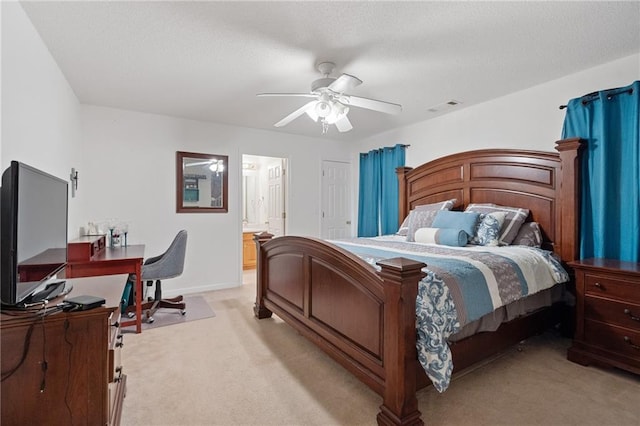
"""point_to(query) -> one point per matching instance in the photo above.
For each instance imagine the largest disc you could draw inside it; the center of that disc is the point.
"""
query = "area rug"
(197, 308)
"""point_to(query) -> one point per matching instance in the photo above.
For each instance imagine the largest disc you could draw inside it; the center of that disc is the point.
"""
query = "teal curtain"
(378, 193)
(609, 122)
(392, 158)
(368, 212)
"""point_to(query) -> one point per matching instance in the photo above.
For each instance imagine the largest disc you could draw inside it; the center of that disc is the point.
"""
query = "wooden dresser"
(83, 382)
(607, 314)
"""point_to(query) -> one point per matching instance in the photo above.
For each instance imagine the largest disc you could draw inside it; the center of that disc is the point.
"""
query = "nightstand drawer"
(613, 312)
(625, 289)
(616, 339)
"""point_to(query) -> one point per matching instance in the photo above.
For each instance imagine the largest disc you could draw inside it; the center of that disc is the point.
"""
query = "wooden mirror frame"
(181, 156)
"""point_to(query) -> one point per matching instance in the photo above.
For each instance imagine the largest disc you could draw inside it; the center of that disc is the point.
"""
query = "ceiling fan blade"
(295, 114)
(386, 107)
(303, 95)
(344, 82)
(343, 124)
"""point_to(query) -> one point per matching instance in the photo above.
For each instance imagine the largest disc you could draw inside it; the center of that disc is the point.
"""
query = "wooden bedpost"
(569, 211)
(259, 309)
(400, 357)
(402, 193)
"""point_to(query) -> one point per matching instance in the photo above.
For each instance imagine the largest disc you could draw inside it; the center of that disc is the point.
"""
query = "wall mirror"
(201, 185)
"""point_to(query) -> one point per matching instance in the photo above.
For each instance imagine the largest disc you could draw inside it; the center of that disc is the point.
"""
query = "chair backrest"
(170, 264)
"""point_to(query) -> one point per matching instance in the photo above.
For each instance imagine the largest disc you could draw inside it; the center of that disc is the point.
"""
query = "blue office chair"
(170, 264)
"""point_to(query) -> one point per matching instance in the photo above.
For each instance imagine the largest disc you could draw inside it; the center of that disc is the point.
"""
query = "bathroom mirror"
(201, 183)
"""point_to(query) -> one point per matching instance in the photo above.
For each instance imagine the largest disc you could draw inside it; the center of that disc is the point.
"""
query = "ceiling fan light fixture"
(337, 112)
(323, 109)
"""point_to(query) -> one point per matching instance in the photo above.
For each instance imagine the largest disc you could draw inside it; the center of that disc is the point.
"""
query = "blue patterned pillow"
(512, 223)
(488, 230)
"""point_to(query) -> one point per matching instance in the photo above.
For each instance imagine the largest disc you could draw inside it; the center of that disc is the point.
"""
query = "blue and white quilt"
(462, 284)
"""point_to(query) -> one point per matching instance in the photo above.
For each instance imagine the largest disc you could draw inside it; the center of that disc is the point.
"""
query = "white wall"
(40, 112)
(528, 119)
(130, 174)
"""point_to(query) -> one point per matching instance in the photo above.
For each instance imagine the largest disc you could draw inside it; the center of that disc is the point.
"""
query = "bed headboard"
(547, 183)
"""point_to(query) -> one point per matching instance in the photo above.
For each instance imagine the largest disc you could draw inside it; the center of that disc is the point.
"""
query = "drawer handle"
(633, 317)
(630, 343)
(600, 286)
(120, 341)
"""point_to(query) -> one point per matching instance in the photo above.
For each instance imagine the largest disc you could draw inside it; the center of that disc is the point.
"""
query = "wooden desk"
(84, 382)
(111, 261)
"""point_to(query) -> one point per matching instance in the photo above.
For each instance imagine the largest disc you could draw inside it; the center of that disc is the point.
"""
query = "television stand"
(84, 382)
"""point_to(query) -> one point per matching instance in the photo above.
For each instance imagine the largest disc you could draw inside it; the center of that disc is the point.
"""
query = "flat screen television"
(33, 231)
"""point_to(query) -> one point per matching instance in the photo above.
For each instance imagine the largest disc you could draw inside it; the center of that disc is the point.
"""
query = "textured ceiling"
(208, 60)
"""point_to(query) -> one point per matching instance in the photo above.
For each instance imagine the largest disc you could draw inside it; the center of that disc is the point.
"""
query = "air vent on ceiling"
(444, 106)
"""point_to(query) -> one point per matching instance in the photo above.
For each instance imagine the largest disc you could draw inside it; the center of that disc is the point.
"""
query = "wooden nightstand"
(607, 314)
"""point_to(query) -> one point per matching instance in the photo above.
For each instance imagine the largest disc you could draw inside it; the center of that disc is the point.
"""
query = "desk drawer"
(85, 249)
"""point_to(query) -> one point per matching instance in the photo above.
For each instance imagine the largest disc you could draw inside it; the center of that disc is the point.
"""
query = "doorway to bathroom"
(264, 201)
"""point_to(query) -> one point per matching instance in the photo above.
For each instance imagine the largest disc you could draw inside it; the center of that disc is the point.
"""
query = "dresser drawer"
(618, 313)
(116, 341)
(615, 339)
(625, 289)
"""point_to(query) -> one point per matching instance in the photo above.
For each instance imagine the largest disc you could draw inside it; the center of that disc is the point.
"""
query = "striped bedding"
(462, 284)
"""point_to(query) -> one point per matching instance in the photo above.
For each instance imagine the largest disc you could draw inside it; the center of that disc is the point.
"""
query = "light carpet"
(236, 370)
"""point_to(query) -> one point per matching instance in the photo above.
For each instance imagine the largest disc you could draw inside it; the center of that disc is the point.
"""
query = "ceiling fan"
(330, 103)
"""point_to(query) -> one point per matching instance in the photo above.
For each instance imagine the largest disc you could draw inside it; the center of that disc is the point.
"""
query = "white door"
(275, 202)
(336, 200)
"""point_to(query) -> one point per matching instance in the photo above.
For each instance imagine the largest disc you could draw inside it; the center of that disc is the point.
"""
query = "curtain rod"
(594, 95)
(386, 147)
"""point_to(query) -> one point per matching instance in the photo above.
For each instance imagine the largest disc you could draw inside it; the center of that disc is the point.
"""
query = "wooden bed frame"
(365, 319)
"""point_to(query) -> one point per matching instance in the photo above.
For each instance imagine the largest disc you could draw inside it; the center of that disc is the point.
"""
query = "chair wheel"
(131, 314)
(183, 312)
(150, 320)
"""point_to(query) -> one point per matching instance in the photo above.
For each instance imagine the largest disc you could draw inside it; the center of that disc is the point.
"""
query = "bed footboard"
(362, 318)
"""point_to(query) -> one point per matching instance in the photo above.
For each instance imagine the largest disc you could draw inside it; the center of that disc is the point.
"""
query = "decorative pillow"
(488, 229)
(513, 221)
(443, 205)
(529, 235)
(434, 207)
(443, 236)
(404, 228)
(467, 221)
